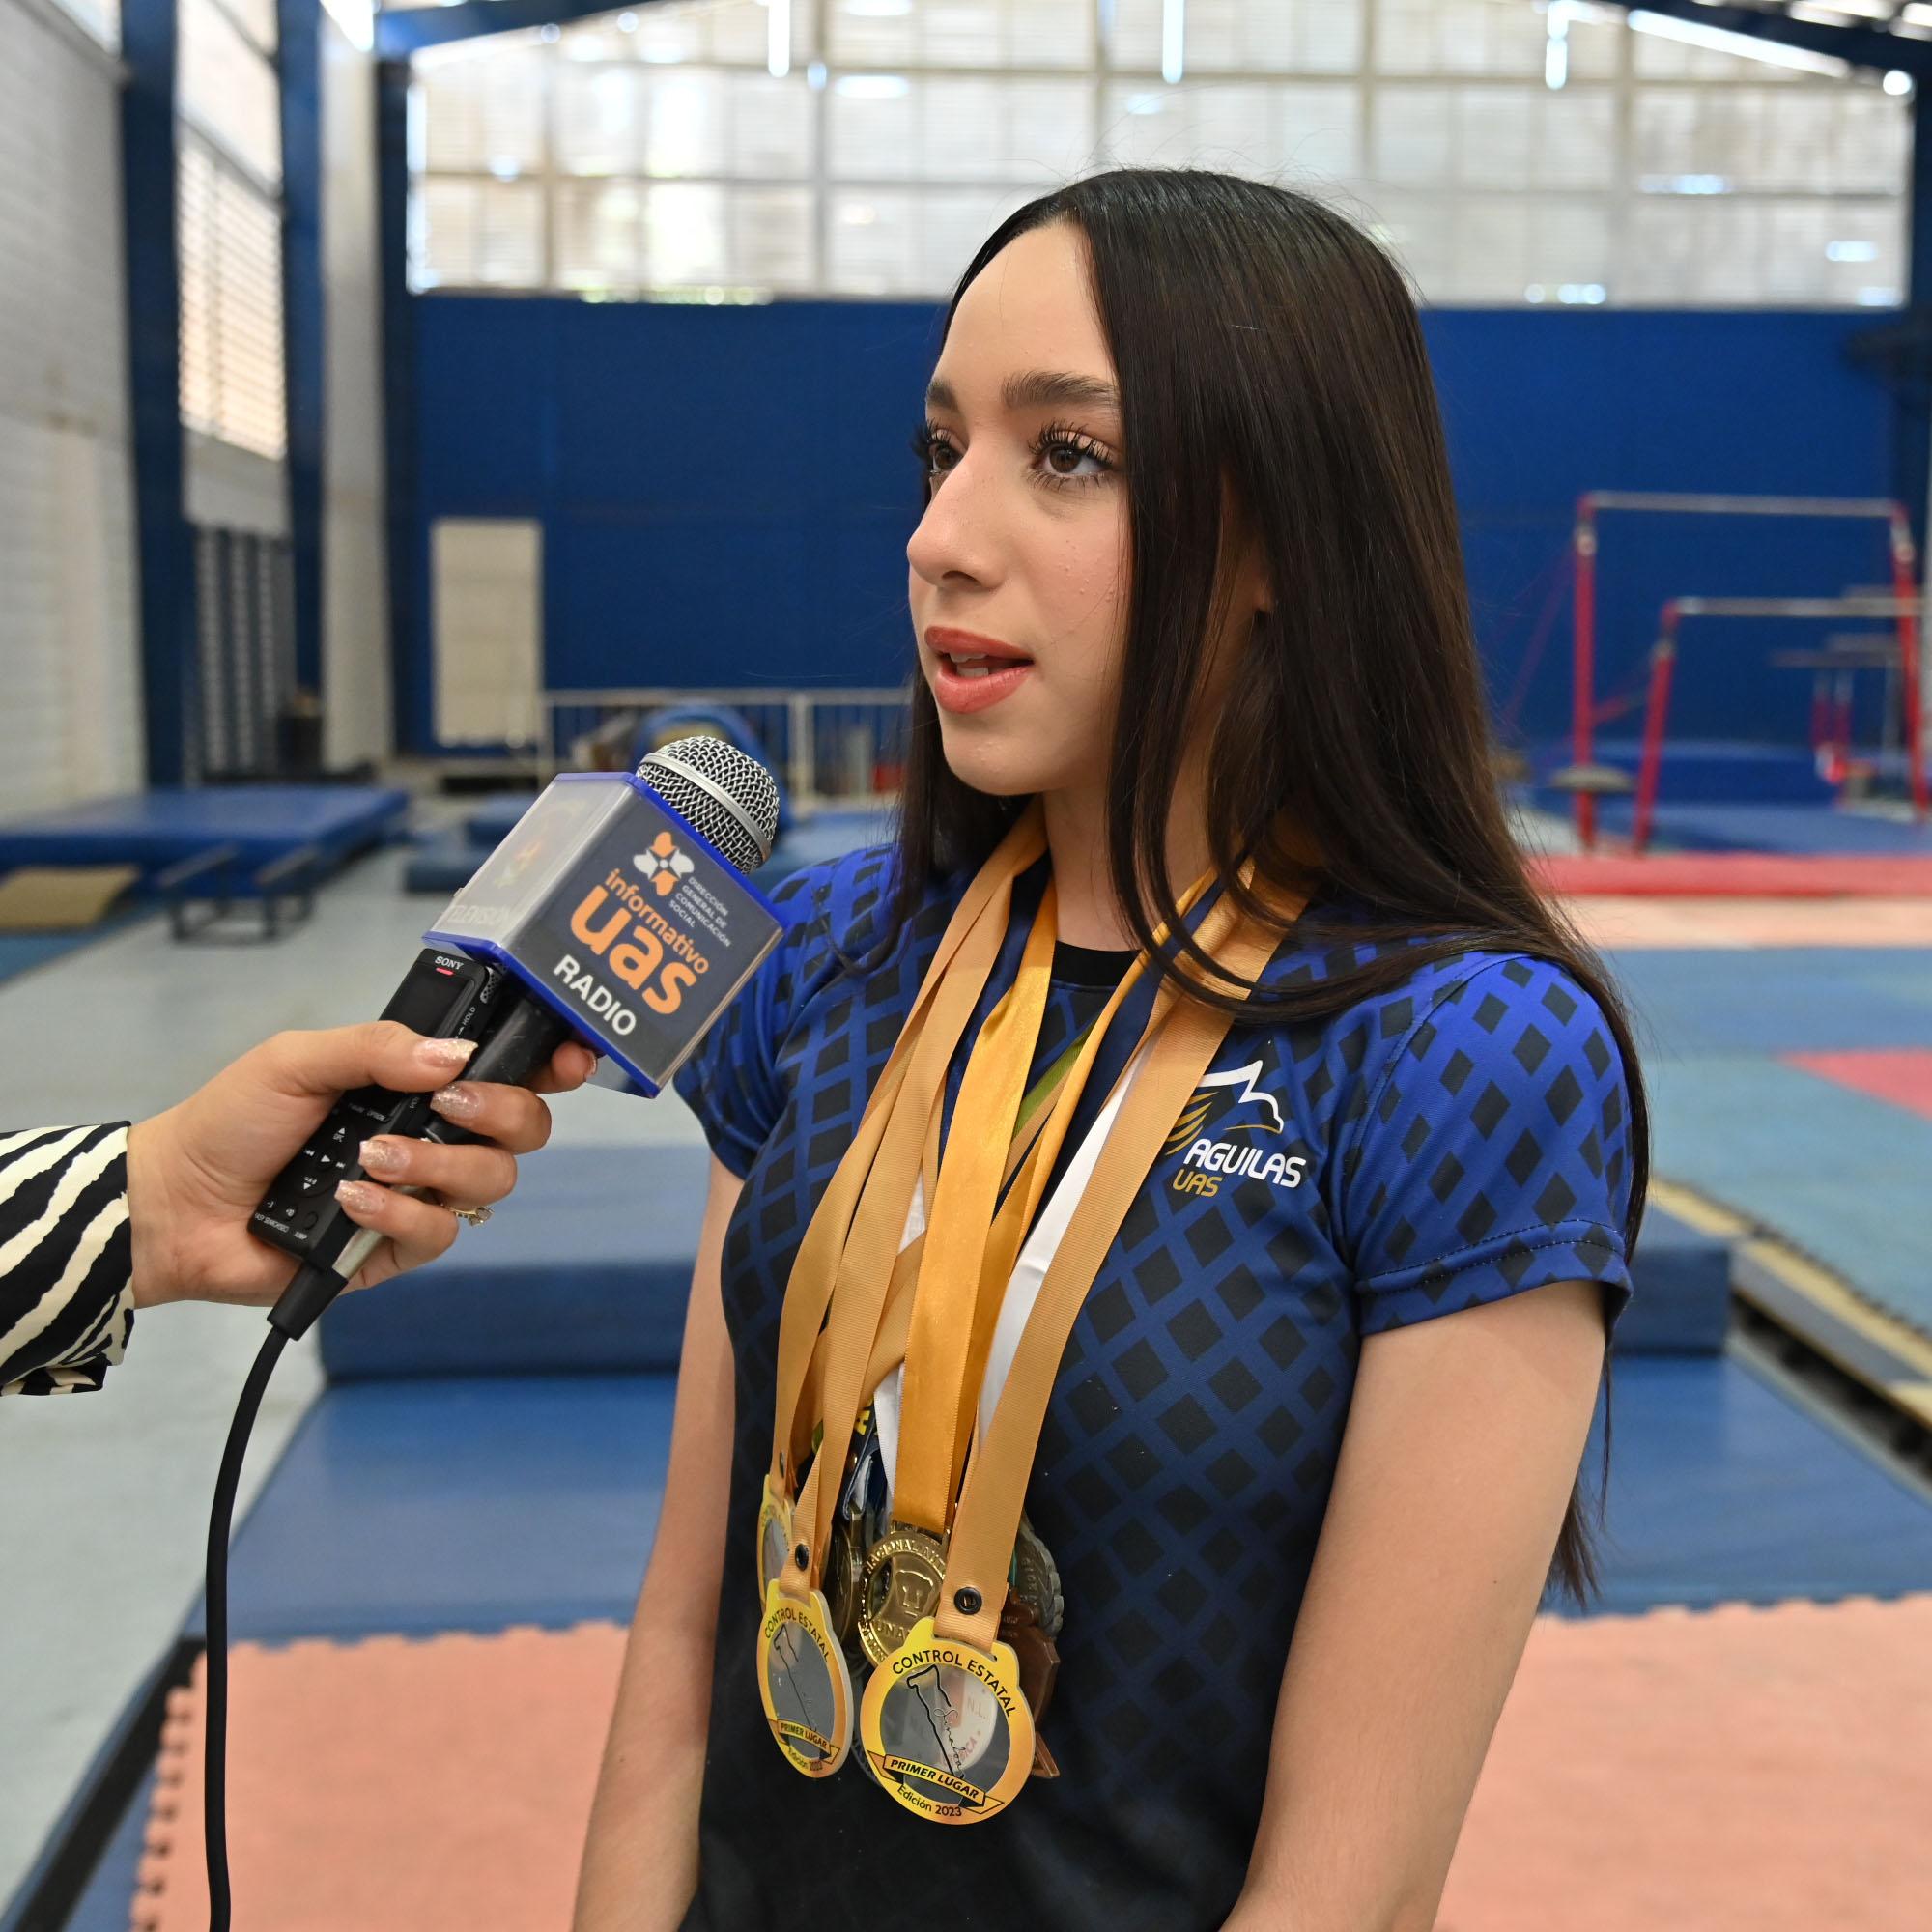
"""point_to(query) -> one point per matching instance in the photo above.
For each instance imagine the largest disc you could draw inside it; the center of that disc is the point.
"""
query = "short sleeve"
(1494, 1155)
(732, 1082)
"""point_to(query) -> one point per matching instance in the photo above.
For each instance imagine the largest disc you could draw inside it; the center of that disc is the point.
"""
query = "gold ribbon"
(935, 1302)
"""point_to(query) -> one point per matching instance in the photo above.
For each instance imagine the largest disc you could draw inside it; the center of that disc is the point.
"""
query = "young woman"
(1190, 613)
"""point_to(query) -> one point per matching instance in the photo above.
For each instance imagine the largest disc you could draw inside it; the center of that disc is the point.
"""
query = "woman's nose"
(958, 536)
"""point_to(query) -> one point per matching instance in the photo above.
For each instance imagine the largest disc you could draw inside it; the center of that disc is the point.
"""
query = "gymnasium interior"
(401, 404)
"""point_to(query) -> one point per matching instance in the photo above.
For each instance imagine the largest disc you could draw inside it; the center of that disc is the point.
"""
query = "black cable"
(214, 1751)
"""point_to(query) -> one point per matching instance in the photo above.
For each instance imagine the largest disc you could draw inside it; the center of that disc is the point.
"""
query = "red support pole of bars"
(1583, 677)
(1650, 771)
(1904, 563)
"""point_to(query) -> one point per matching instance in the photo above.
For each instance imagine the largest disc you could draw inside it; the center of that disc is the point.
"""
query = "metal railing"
(842, 747)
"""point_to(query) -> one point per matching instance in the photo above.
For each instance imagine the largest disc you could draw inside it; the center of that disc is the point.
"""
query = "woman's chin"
(1000, 770)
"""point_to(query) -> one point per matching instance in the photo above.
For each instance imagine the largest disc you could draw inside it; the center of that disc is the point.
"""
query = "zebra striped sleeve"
(67, 1302)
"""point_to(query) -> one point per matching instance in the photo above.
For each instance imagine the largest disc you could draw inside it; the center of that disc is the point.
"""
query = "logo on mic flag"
(664, 865)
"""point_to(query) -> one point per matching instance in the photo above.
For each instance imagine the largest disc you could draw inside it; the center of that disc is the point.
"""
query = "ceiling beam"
(1864, 45)
(405, 30)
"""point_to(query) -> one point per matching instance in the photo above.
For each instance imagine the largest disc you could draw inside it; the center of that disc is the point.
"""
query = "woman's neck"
(1076, 837)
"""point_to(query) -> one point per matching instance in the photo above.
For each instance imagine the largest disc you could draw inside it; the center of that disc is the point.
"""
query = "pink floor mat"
(1727, 1771)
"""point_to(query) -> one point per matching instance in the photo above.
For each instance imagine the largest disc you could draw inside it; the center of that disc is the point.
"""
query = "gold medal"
(774, 1537)
(804, 1682)
(1037, 1577)
(903, 1574)
(946, 1728)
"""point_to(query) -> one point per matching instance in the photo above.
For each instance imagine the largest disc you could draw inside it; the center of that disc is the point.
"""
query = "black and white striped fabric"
(67, 1302)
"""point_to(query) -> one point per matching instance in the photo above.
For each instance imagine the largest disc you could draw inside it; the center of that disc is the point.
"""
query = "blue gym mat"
(456, 1505)
(154, 829)
(1842, 1175)
(1806, 1000)
(586, 1269)
(1721, 1491)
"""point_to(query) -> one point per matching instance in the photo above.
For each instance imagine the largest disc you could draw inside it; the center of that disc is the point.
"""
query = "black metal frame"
(283, 889)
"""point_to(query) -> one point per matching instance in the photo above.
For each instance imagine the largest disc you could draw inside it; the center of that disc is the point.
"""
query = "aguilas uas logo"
(1231, 1103)
(664, 865)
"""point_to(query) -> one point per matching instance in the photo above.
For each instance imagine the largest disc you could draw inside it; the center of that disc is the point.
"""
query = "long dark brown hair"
(1263, 343)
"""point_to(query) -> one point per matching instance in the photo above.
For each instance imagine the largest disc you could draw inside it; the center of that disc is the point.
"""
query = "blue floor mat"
(476, 1505)
(456, 1505)
(1839, 1174)
(1721, 1491)
(1808, 1000)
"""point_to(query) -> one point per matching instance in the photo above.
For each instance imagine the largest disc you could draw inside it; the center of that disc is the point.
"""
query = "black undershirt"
(1101, 967)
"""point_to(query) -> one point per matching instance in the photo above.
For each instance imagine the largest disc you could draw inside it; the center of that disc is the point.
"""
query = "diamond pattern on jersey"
(1464, 1139)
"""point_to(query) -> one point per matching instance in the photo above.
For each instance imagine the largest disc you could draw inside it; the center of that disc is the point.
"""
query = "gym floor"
(1789, 1050)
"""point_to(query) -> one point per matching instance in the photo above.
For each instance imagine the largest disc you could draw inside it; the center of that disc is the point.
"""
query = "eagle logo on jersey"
(1222, 1106)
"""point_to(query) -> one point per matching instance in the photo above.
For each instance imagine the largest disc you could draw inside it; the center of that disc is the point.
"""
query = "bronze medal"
(1037, 1578)
(1036, 1653)
(903, 1574)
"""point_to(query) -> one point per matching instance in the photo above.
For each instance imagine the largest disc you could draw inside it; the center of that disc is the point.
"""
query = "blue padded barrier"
(1681, 1298)
(585, 1270)
(157, 828)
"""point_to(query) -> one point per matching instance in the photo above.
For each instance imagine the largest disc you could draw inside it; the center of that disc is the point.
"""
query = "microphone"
(617, 910)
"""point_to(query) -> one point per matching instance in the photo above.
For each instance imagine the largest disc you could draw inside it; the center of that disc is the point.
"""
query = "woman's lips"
(960, 692)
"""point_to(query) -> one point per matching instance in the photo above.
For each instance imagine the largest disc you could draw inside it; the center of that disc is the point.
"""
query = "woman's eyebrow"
(1037, 388)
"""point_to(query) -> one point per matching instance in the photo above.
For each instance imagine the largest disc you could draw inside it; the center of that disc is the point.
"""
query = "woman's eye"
(1062, 458)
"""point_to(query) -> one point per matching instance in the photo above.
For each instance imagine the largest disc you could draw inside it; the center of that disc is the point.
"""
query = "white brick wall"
(69, 678)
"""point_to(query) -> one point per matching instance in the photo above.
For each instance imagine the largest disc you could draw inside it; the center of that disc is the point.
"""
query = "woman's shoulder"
(836, 913)
(1491, 1010)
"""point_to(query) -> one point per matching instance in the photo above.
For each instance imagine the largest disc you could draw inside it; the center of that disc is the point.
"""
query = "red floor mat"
(1903, 1076)
(1730, 1770)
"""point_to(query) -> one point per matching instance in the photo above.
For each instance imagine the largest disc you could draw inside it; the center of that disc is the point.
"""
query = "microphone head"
(724, 793)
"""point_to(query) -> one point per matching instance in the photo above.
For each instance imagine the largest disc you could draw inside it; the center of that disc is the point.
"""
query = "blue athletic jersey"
(1461, 1139)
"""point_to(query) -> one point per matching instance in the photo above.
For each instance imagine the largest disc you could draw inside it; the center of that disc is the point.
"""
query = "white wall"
(354, 589)
(70, 677)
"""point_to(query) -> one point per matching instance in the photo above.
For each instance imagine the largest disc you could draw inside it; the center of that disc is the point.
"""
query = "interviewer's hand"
(195, 1173)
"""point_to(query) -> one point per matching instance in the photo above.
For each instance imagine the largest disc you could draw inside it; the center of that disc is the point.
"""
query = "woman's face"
(1020, 561)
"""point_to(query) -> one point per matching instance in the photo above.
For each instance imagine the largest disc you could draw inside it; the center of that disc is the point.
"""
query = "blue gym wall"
(726, 493)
